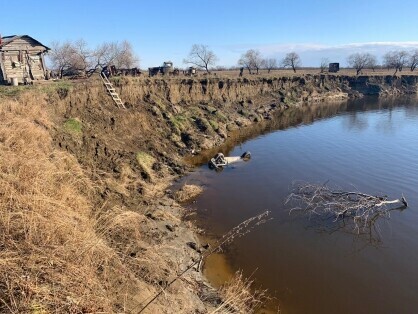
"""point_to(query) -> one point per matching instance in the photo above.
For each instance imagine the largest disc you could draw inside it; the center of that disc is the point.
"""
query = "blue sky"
(165, 30)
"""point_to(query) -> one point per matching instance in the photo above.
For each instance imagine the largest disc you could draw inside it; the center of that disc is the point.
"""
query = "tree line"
(397, 60)
(78, 56)
(204, 58)
(253, 61)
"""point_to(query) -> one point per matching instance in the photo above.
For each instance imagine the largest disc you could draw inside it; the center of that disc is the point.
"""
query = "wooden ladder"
(112, 91)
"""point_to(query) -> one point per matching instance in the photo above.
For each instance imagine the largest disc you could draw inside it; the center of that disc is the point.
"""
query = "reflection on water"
(367, 234)
(369, 145)
(283, 119)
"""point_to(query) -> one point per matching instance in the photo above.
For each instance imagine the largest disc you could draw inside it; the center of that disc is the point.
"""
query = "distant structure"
(166, 69)
(22, 59)
(334, 67)
(191, 71)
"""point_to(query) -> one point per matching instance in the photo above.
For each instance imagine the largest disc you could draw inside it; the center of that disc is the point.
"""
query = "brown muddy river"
(370, 145)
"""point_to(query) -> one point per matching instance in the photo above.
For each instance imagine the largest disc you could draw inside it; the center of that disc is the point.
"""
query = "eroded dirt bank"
(106, 234)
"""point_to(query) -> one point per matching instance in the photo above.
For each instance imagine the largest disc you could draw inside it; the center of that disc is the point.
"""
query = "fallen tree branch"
(363, 210)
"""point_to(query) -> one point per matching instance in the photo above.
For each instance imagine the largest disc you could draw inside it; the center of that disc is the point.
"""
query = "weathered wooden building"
(22, 59)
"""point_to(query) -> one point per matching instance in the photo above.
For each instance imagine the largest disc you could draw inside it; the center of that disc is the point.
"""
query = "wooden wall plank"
(10, 53)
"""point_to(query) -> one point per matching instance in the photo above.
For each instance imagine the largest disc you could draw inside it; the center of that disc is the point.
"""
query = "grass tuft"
(13, 91)
(73, 125)
(188, 192)
(145, 162)
(238, 296)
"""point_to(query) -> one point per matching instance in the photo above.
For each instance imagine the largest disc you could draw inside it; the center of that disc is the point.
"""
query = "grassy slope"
(65, 249)
(50, 251)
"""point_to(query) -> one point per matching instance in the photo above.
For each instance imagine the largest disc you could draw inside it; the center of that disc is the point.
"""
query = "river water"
(370, 145)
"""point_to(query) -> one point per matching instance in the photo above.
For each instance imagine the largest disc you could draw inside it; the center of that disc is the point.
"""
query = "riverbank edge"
(133, 155)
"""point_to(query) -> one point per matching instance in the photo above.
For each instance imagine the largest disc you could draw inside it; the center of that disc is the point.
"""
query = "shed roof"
(8, 39)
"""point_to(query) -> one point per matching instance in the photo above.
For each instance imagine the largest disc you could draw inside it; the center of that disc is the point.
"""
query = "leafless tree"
(413, 62)
(79, 57)
(270, 64)
(359, 61)
(202, 57)
(291, 60)
(372, 63)
(396, 60)
(324, 64)
(251, 60)
(125, 57)
(61, 56)
(357, 209)
(245, 62)
(120, 55)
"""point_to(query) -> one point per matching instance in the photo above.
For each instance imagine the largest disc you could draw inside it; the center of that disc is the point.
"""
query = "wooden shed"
(22, 59)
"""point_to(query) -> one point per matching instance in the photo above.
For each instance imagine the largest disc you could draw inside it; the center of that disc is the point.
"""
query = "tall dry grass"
(238, 296)
(49, 253)
(59, 251)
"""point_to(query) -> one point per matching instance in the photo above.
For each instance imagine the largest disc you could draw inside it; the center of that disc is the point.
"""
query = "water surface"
(368, 144)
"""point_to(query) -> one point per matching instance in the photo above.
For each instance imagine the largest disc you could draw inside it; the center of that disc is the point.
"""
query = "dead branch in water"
(363, 210)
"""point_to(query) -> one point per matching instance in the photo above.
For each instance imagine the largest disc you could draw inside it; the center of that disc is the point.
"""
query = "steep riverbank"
(126, 228)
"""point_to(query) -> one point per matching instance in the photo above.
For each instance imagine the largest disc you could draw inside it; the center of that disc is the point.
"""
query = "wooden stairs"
(111, 90)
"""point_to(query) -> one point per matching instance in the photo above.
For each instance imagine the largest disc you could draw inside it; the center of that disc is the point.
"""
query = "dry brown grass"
(238, 296)
(51, 258)
(61, 249)
(188, 192)
(43, 219)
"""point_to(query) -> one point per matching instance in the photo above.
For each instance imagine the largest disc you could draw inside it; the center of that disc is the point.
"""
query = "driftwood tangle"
(363, 210)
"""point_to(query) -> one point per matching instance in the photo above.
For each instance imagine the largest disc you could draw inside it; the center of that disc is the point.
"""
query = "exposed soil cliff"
(384, 85)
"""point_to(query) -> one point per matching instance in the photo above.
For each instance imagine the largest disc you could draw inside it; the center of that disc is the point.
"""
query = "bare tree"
(118, 54)
(125, 57)
(245, 62)
(202, 57)
(77, 56)
(324, 64)
(61, 56)
(413, 62)
(372, 63)
(291, 60)
(359, 61)
(104, 54)
(270, 64)
(251, 60)
(81, 55)
(396, 60)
